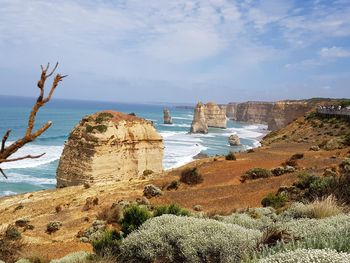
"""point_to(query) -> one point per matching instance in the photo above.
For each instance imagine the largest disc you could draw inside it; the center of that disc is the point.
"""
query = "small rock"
(151, 190)
(53, 226)
(174, 185)
(314, 148)
(20, 206)
(198, 208)
(329, 172)
(234, 140)
(87, 185)
(143, 201)
(121, 203)
(289, 169)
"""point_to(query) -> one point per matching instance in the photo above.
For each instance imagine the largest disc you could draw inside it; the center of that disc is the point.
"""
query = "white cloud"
(334, 52)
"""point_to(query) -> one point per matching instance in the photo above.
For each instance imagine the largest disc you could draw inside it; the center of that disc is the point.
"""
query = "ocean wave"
(7, 193)
(182, 118)
(247, 132)
(45, 139)
(52, 153)
(23, 178)
(182, 125)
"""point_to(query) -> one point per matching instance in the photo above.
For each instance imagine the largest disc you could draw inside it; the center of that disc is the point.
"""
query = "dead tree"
(30, 135)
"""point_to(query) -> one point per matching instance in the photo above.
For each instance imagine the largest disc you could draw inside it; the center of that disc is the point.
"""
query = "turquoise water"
(180, 147)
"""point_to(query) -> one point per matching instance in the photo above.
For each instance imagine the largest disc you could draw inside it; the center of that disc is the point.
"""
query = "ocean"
(180, 146)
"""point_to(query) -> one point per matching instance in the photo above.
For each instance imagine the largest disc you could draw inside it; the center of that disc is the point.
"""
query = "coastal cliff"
(215, 115)
(275, 114)
(109, 146)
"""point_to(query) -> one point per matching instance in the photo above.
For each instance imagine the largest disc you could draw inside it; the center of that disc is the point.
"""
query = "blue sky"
(178, 50)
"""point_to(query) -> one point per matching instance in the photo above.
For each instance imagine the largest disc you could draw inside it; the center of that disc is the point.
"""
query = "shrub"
(274, 200)
(230, 156)
(347, 139)
(103, 116)
(147, 172)
(172, 209)
(256, 173)
(191, 176)
(187, 239)
(174, 185)
(308, 256)
(111, 214)
(75, 257)
(108, 244)
(11, 245)
(134, 216)
(246, 221)
(297, 156)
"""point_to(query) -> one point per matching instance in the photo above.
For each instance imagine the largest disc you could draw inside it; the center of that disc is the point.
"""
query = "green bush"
(230, 156)
(347, 139)
(256, 173)
(275, 201)
(103, 116)
(305, 180)
(134, 216)
(191, 176)
(108, 244)
(172, 209)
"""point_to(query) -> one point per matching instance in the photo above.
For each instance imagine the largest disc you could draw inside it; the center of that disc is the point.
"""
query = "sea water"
(180, 146)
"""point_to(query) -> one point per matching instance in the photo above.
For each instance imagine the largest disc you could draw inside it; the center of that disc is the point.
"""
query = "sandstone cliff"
(166, 116)
(199, 123)
(275, 114)
(109, 146)
(215, 115)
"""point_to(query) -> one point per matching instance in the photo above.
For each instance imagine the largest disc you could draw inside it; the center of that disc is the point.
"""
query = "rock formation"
(199, 123)
(109, 146)
(275, 114)
(166, 116)
(215, 115)
(234, 140)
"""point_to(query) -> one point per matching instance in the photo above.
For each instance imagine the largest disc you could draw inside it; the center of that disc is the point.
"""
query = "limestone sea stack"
(109, 146)
(167, 117)
(234, 140)
(215, 115)
(199, 123)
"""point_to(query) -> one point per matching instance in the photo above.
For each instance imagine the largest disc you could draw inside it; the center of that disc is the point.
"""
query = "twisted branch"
(29, 136)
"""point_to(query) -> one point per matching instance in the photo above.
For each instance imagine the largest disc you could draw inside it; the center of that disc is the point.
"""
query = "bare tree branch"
(29, 136)
(4, 139)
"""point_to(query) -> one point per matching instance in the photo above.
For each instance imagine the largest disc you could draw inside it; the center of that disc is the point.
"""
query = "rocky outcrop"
(215, 115)
(166, 116)
(109, 146)
(234, 140)
(199, 123)
(275, 114)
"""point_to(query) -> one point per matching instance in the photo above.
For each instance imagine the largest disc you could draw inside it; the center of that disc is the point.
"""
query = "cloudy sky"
(178, 50)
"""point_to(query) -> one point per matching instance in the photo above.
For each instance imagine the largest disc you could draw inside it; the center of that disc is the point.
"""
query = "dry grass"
(111, 214)
(324, 207)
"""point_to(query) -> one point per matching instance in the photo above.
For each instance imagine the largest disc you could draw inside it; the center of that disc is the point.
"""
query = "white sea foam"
(23, 178)
(183, 125)
(5, 193)
(182, 118)
(52, 153)
(180, 148)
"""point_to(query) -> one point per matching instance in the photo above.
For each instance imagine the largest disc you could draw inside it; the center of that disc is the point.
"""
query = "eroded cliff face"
(199, 123)
(275, 114)
(215, 115)
(109, 146)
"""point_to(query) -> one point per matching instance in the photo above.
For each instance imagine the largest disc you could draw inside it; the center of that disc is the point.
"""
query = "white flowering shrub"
(253, 218)
(186, 239)
(295, 211)
(308, 256)
(76, 257)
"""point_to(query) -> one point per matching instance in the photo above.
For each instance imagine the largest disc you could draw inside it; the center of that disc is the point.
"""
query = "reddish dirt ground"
(220, 192)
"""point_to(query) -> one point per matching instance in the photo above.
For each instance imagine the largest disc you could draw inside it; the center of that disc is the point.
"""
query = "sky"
(178, 50)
